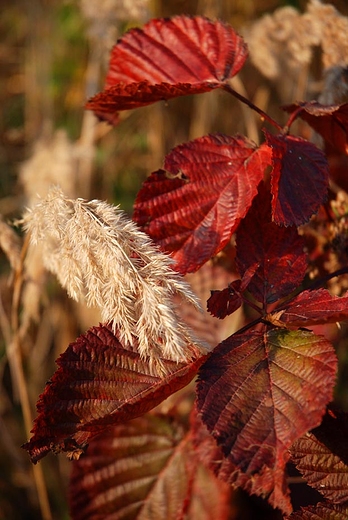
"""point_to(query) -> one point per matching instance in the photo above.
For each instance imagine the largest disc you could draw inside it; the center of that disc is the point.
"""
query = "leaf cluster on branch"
(262, 394)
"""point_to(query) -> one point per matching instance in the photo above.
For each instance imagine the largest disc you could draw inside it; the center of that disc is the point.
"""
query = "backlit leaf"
(146, 468)
(321, 511)
(330, 121)
(169, 58)
(100, 383)
(322, 457)
(299, 179)
(259, 392)
(274, 254)
(192, 207)
(314, 307)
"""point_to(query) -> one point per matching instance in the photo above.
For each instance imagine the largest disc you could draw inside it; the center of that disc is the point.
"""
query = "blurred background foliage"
(53, 57)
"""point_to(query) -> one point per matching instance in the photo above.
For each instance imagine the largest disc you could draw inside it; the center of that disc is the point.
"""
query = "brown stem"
(251, 105)
(15, 358)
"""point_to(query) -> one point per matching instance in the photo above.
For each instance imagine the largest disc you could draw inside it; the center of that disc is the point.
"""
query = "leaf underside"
(168, 58)
(257, 394)
(321, 511)
(146, 468)
(192, 207)
(100, 383)
(322, 457)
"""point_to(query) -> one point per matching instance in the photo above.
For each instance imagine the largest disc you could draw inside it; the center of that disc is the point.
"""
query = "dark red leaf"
(169, 58)
(258, 393)
(146, 468)
(314, 307)
(225, 302)
(322, 457)
(330, 121)
(322, 511)
(100, 383)
(274, 254)
(300, 179)
(192, 207)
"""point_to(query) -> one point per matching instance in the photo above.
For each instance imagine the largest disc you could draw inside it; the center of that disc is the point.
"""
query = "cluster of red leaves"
(262, 389)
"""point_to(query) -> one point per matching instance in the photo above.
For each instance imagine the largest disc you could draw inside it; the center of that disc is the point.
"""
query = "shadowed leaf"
(192, 207)
(145, 469)
(225, 302)
(322, 457)
(330, 121)
(315, 307)
(169, 58)
(273, 255)
(321, 511)
(100, 383)
(257, 394)
(299, 179)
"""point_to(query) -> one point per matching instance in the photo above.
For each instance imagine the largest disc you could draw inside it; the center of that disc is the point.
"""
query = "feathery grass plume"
(100, 255)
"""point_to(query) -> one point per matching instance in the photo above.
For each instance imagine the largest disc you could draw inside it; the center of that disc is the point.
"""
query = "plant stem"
(15, 359)
(251, 105)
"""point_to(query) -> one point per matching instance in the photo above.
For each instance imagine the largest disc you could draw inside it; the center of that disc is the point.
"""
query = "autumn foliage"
(263, 394)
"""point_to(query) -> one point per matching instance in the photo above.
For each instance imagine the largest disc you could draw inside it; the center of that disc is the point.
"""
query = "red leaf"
(146, 468)
(169, 58)
(299, 179)
(322, 457)
(321, 512)
(314, 307)
(257, 394)
(330, 121)
(273, 254)
(100, 383)
(225, 302)
(193, 206)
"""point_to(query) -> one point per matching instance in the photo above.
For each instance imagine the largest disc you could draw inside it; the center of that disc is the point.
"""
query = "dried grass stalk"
(100, 255)
(10, 243)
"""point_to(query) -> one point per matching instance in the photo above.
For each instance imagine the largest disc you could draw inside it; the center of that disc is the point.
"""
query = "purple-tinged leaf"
(259, 392)
(300, 179)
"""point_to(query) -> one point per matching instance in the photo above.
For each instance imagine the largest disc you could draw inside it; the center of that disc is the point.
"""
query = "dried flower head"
(100, 255)
(283, 42)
